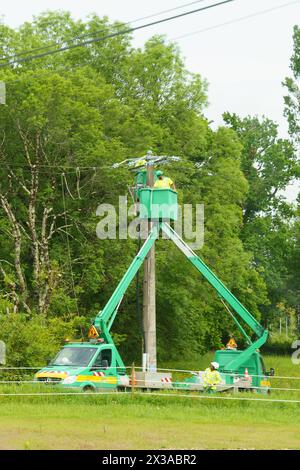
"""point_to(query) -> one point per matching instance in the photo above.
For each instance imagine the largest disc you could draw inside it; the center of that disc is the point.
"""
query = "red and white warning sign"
(166, 380)
(99, 374)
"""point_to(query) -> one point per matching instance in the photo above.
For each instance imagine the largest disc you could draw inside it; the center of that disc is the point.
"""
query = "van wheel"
(88, 388)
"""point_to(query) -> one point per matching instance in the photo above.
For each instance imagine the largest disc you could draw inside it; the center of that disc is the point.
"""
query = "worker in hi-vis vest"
(163, 182)
(211, 377)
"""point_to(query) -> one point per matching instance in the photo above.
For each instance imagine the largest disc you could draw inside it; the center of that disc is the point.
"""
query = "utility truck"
(97, 364)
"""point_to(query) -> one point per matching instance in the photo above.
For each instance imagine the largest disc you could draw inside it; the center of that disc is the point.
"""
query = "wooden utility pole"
(149, 307)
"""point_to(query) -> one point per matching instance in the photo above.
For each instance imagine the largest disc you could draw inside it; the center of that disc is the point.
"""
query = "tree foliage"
(68, 118)
(270, 164)
(292, 100)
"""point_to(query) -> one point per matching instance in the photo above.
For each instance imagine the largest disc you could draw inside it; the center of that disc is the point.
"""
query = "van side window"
(104, 355)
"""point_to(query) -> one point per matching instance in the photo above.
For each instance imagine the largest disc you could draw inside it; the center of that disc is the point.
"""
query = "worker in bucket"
(163, 182)
(211, 378)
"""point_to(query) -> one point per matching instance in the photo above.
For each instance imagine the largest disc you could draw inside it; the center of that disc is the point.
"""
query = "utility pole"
(2, 93)
(149, 306)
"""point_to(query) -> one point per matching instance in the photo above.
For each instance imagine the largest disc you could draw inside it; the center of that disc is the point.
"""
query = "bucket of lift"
(158, 204)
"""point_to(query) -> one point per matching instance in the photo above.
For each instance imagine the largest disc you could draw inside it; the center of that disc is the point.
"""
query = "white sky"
(244, 62)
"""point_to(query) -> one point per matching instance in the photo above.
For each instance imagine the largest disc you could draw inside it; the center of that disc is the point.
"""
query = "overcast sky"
(244, 62)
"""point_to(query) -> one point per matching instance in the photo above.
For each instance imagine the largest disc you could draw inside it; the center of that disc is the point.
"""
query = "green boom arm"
(225, 294)
(105, 318)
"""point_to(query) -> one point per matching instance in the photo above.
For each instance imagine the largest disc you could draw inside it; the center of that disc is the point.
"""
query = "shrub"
(279, 344)
(33, 341)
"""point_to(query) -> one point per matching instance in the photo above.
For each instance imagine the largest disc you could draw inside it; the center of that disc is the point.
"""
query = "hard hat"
(159, 173)
(215, 365)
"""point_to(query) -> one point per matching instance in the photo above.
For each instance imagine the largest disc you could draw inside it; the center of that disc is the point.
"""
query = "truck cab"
(85, 366)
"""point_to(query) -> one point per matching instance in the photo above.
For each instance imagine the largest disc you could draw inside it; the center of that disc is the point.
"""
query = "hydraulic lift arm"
(225, 295)
(105, 317)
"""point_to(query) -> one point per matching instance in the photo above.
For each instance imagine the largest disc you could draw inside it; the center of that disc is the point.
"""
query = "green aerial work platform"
(103, 366)
(158, 204)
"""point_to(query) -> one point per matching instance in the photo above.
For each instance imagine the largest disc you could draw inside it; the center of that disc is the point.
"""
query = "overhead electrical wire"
(111, 35)
(68, 242)
(62, 167)
(209, 28)
(93, 33)
(262, 12)
(236, 20)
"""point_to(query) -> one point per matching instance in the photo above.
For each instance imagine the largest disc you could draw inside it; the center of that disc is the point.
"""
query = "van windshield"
(74, 357)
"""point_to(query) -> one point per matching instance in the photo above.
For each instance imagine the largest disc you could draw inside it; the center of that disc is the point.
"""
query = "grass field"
(153, 422)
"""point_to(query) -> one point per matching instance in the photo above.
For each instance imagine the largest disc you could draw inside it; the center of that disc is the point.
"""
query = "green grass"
(151, 422)
(145, 422)
(282, 364)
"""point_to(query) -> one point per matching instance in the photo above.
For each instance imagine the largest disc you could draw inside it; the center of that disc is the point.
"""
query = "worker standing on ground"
(164, 182)
(211, 377)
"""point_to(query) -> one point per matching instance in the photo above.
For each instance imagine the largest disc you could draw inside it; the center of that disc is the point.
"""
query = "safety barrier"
(138, 384)
(187, 371)
(153, 394)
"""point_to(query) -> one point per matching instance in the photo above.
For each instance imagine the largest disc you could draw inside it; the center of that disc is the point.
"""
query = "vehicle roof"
(83, 345)
(233, 351)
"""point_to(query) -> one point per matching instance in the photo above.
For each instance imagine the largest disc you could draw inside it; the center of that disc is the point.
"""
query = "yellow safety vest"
(211, 378)
(140, 163)
(165, 183)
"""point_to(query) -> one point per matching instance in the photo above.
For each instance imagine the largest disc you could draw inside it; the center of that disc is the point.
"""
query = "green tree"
(68, 118)
(270, 164)
(190, 313)
(294, 263)
(292, 100)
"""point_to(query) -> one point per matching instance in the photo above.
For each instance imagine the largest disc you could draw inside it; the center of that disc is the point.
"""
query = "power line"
(119, 33)
(22, 53)
(152, 394)
(165, 11)
(73, 171)
(68, 242)
(210, 28)
(62, 167)
(236, 20)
